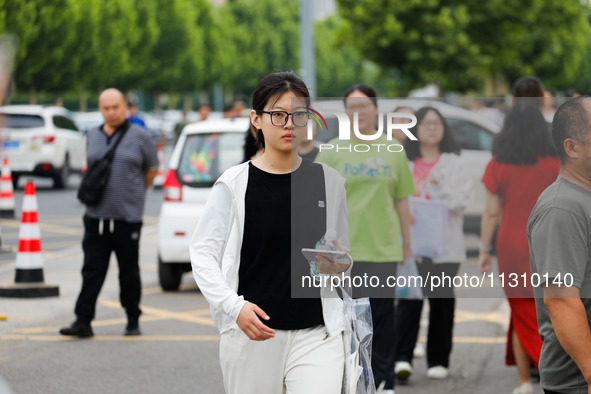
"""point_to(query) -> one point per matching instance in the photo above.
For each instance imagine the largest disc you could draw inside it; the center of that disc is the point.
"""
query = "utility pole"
(307, 47)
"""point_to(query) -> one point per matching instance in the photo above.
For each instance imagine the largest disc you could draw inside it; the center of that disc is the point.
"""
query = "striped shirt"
(125, 193)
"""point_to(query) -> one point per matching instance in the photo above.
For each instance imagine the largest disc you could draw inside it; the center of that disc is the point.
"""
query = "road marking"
(158, 289)
(481, 340)
(191, 316)
(474, 340)
(499, 317)
(61, 338)
(96, 323)
(52, 228)
(196, 338)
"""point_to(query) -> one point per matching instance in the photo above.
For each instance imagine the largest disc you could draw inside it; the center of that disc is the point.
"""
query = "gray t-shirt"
(559, 234)
(125, 193)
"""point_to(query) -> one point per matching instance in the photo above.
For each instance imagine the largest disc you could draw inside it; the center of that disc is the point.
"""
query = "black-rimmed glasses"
(279, 118)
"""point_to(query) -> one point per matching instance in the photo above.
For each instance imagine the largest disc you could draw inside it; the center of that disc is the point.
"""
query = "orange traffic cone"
(29, 280)
(6, 192)
(159, 180)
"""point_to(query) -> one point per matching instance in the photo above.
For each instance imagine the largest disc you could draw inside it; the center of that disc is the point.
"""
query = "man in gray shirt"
(559, 233)
(114, 224)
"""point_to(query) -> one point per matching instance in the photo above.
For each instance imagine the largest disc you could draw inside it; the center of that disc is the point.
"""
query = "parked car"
(42, 141)
(202, 153)
(88, 120)
(473, 132)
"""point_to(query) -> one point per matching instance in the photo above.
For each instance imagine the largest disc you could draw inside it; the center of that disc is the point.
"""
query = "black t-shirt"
(283, 214)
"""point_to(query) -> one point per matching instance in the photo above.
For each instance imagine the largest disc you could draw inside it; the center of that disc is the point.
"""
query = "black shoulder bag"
(96, 176)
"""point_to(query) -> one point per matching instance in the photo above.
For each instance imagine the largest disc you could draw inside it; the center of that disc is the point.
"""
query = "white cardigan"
(217, 241)
(456, 188)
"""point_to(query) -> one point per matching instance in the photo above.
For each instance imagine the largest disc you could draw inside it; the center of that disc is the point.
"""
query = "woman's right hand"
(249, 322)
(484, 262)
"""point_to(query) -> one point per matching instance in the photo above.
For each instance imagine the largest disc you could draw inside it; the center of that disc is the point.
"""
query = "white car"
(473, 132)
(87, 121)
(202, 153)
(41, 141)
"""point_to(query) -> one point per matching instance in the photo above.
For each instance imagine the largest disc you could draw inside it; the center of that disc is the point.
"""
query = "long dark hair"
(446, 145)
(272, 87)
(250, 148)
(365, 89)
(524, 136)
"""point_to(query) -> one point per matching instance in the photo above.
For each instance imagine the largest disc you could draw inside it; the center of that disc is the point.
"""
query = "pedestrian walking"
(439, 174)
(524, 163)
(307, 149)
(559, 234)
(134, 117)
(114, 224)
(397, 133)
(246, 255)
(378, 185)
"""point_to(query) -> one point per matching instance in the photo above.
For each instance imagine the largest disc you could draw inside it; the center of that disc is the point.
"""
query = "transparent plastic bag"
(412, 280)
(358, 376)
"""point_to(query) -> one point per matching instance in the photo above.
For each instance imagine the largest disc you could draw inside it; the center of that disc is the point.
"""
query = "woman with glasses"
(439, 174)
(247, 260)
(378, 185)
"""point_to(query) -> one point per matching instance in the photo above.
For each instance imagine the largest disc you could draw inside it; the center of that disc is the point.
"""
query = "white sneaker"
(524, 388)
(419, 351)
(381, 390)
(402, 370)
(438, 372)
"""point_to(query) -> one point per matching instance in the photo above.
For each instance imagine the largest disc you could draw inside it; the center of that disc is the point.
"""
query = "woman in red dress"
(524, 163)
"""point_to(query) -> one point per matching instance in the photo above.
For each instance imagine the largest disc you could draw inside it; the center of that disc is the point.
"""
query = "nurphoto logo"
(345, 130)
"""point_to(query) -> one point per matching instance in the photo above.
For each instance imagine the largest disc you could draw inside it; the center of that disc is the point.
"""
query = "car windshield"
(17, 121)
(206, 156)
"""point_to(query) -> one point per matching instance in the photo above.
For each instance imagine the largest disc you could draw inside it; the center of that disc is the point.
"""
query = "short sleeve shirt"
(374, 180)
(559, 234)
(125, 193)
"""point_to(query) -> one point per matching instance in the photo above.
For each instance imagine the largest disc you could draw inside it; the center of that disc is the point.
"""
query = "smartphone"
(336, 256)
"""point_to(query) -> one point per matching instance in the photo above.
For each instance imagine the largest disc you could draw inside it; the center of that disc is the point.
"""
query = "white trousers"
(294, 362)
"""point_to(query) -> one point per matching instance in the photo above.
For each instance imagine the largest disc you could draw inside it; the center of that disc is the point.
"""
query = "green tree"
(459, 43)
(338, 64)
(178, 57)
(141, 50)
(47, 42)
(107, 33)
(260, 37)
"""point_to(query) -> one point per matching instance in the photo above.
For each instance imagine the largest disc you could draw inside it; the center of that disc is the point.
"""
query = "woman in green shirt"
(378, 183)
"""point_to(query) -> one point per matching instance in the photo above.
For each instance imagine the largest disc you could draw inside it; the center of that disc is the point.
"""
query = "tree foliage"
(47, 42)
(178, 58)
(458, 43)
(181, 46)
(338, 64)
(259, 37)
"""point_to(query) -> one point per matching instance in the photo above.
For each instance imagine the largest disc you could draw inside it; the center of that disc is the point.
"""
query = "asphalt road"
(178, 351)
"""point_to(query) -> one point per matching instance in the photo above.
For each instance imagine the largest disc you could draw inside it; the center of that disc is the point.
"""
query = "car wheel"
(60, 181)
(170, 275)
